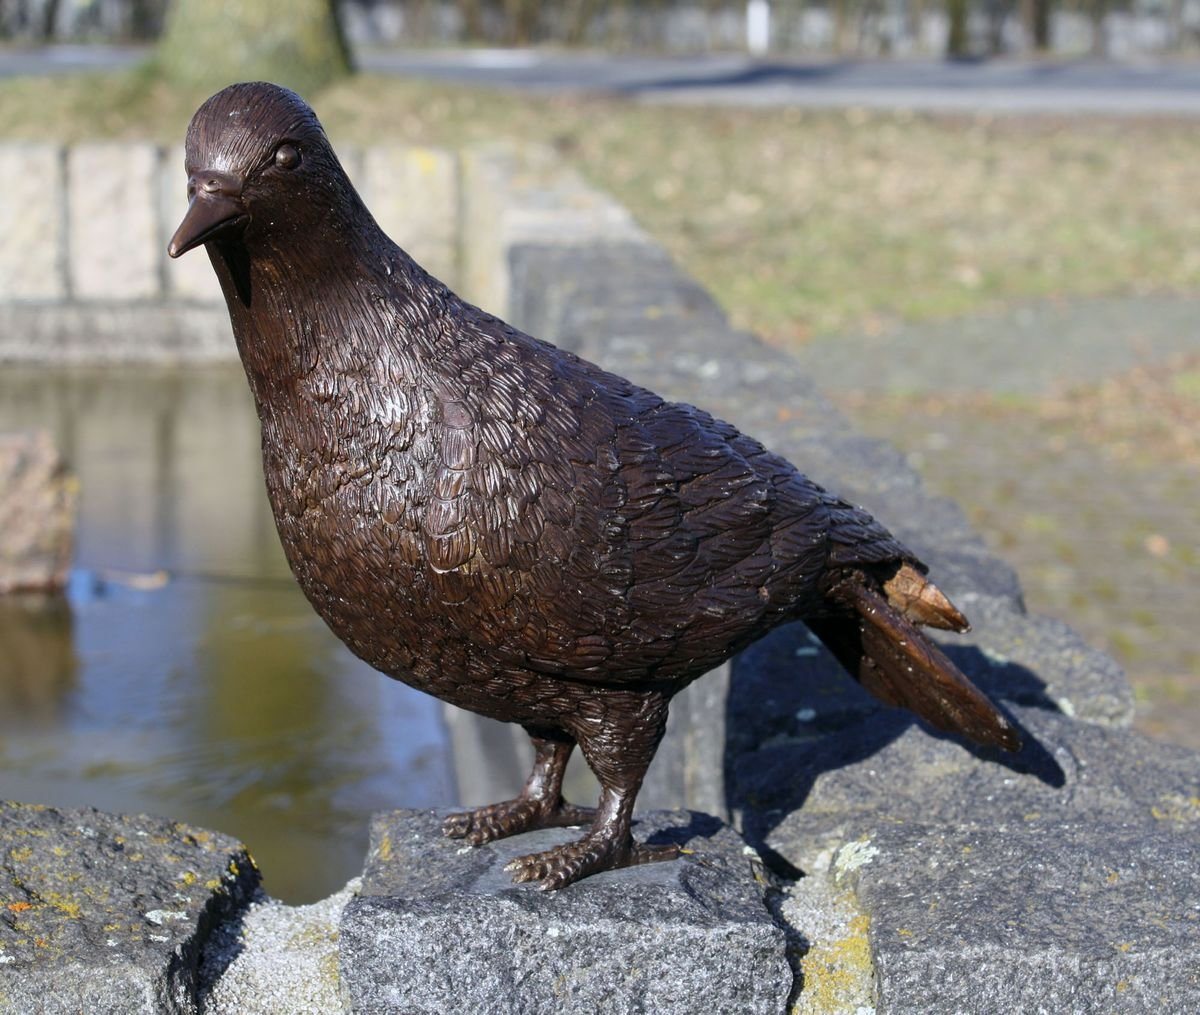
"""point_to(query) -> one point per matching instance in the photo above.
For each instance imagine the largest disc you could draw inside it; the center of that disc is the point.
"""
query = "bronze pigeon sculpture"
(508, 527)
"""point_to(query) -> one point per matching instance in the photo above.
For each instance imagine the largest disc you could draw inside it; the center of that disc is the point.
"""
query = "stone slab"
(1063, 879)
(813, 788)
(1093, 916)
(1011, 649)
(440, 926)
(103, 913)
(413, 194)
(115, 250)
(513, 198)
(95, 331)
(32, 222)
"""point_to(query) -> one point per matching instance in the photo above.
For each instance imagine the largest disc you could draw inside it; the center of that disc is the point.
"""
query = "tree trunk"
(472, 20)
(957, 43)
(1035, 16)
(1099, 35)
(296, 43)
(841, 23)
(578, 21)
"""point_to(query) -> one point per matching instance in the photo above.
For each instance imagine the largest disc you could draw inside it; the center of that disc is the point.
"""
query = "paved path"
(998, 86)
(732, 79)
(15, 62)
(1036, 348)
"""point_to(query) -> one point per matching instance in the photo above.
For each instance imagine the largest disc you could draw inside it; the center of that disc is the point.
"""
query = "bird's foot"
(524, 814)
(566, 864)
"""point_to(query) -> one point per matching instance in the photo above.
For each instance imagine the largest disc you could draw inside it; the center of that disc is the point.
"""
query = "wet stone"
(440, 926)
(102, 913)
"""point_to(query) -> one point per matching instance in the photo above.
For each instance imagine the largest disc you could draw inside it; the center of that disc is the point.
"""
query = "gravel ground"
(1070, 433)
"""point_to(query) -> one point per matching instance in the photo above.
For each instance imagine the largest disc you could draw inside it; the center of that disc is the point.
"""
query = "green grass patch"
(1187, 383)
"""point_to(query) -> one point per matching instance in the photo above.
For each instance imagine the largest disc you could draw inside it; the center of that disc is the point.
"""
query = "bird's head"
(259, 168)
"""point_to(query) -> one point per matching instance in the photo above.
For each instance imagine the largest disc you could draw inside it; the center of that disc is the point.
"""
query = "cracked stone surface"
(105, 913)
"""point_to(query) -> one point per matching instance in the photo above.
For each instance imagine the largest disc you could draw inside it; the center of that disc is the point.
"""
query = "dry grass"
(800, 222)
(1091, 494)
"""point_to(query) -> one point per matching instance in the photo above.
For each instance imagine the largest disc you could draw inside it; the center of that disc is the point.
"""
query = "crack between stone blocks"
(795, 944)
(186, 981)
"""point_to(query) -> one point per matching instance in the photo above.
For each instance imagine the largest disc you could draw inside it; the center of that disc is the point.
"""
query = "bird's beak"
(215, 207)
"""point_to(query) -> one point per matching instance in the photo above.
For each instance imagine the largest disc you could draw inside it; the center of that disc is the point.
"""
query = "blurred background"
(842, 27)
(974, 221)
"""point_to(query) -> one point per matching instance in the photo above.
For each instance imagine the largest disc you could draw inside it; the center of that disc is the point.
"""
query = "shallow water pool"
(184, 674)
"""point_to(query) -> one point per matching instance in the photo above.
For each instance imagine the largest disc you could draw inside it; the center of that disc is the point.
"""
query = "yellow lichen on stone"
(385, 847)
(838, 972)
(64, 904)
(20, 853)
(189, 878)
(1177, 807)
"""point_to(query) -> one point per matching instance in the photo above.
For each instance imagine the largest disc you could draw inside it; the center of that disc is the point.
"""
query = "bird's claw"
(563, 865)
(524, 814)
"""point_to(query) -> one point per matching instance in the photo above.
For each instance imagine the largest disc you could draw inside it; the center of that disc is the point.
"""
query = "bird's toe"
(563, 865)
(457, 826)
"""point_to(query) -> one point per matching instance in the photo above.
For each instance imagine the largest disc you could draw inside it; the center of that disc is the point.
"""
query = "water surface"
(185, 675)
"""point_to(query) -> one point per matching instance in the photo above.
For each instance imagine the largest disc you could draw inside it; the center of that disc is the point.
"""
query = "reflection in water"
(37, 658)
(218, 698)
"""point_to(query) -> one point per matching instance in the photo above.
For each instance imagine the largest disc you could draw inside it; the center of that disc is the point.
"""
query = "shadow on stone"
(793, 715)
(222, 947)
(699, 826)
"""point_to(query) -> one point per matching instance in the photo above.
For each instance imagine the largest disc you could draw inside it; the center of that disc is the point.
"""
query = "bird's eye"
(287, 156)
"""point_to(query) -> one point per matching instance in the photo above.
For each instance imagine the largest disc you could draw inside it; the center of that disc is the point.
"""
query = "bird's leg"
(609, 843)
(539, 805)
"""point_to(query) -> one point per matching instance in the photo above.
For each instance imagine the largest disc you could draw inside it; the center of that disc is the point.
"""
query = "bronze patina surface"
(506, 526)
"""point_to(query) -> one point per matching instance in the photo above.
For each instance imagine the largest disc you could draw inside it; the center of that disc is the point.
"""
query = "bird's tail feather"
(883, 649)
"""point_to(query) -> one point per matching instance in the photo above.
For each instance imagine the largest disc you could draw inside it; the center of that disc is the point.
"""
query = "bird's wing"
(856, 539)
(603, 533)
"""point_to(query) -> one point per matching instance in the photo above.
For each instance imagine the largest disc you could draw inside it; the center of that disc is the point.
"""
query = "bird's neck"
(332, 303)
